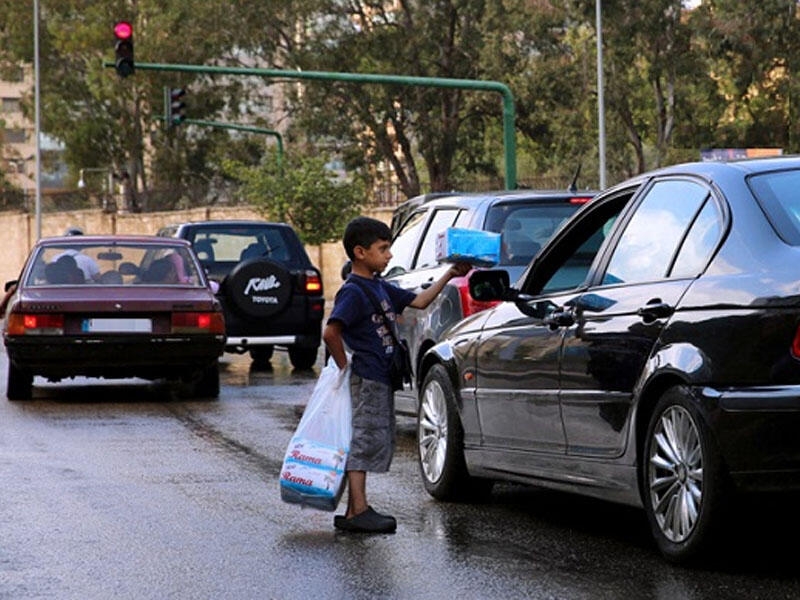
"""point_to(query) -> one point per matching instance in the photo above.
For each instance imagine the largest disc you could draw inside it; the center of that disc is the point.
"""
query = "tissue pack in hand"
(473, 246)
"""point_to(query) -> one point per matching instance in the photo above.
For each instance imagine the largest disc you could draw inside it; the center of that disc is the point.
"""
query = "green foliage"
(302, 193)
(676, 81)
(428, 135)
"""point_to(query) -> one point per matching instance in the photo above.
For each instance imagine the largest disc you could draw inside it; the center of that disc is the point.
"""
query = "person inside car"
(90, 269)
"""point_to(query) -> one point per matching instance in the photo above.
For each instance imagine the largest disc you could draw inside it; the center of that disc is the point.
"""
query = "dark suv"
(525, 220)
(271, 293)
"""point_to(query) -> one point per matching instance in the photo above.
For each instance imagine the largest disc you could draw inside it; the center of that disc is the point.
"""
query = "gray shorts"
(373, 441)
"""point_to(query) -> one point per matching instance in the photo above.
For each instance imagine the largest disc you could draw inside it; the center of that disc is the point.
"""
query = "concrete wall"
(19, 234)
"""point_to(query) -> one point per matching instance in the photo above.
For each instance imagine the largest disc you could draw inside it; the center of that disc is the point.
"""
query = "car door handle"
(426, 284)
(561, 318)
(655, 309)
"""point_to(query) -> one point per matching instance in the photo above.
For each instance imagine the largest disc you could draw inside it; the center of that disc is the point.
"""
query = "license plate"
(117, 325)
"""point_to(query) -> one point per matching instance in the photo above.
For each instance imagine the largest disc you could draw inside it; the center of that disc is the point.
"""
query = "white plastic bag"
(313, 468)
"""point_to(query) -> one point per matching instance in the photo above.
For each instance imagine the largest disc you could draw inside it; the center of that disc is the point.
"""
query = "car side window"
(574, 270)
(646, 249)
(405, 242)
(441, 220)
(566, 265)
(700, 242)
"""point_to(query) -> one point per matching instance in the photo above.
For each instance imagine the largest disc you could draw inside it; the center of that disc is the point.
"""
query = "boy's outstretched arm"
(425, 297)
(332, 336)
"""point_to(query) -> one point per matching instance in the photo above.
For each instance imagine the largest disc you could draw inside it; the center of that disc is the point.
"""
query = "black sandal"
(368, 521)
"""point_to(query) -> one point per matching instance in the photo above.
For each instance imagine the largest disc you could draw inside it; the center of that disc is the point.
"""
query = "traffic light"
(174, 106)
(123, 31)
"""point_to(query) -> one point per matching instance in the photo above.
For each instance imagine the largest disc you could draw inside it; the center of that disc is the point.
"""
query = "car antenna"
(573, 187)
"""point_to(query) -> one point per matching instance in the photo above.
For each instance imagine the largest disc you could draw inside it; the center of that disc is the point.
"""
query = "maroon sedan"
(113, 307)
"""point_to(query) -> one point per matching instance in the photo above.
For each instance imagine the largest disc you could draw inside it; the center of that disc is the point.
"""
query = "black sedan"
(112, 307)
(650, 356)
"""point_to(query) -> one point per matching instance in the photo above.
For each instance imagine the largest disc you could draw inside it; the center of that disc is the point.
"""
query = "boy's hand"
(460, 269)
(426, 296)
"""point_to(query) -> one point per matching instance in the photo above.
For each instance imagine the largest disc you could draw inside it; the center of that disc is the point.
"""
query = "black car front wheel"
(441, 442)
(684, 477)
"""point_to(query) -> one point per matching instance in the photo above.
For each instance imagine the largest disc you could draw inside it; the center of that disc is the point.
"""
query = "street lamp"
(109, 181)
(601, 108)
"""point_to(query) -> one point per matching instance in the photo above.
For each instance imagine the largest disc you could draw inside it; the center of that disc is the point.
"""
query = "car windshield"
(113, 264)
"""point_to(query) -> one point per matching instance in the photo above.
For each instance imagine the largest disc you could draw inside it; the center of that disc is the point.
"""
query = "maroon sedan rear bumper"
(147, 356)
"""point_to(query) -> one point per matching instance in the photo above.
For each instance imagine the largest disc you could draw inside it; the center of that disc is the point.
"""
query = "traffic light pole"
(509, 113)
(251, 129)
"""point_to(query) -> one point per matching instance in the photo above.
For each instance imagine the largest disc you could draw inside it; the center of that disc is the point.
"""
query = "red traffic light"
(123, 49)
(123, 30)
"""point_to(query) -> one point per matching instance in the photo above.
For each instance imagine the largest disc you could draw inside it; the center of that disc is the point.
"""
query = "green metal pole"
(509, 112)
(250, 128)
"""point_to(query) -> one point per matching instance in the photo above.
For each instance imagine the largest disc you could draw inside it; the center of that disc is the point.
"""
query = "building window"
(15, 136)
(10, 105)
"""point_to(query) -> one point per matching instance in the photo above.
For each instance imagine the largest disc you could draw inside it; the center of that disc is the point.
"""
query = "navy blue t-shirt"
(363, 329)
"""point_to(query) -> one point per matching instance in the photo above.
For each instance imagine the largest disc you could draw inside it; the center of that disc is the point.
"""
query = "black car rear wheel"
(441, 442)
(261, 355)
(20, 383)
(684, 477)
(203, 383)
(302, 358)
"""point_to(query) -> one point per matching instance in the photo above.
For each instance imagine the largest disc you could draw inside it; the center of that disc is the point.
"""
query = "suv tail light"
(311, 282)
(198, 322)
(470, 306)
(35, 324)
(796, 344)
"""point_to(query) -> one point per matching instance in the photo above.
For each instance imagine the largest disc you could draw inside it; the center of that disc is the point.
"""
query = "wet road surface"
(123, 491)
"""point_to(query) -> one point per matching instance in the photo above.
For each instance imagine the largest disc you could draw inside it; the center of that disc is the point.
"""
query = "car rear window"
(233, 244)
(113, 264)
(776, 193)
(525, 228)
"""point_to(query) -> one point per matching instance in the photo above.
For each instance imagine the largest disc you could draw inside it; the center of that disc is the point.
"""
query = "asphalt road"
(122, 491)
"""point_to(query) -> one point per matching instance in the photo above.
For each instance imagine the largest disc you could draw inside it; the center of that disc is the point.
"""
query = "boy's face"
(375, 257)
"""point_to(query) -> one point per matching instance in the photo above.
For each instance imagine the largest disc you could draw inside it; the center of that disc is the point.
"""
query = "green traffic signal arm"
(252, 129)
(509, 113)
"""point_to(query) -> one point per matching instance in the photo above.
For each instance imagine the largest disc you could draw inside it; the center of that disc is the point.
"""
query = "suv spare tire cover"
(258, 287)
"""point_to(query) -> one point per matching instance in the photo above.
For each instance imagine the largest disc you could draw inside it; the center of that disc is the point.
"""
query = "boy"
(356, 322)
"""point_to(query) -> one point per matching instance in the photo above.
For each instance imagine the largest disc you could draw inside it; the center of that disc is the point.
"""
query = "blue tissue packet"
(474, 246)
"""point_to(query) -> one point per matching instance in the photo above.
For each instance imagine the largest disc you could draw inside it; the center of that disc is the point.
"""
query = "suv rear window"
(234, 244)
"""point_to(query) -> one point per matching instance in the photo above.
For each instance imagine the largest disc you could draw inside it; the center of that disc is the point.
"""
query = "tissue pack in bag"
(312, 474)
(315, 454)
(316, 487)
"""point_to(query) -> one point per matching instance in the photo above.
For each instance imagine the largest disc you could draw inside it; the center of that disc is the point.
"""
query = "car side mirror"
(394, 271)
(10, 285)
(494, 284)
(489, 285)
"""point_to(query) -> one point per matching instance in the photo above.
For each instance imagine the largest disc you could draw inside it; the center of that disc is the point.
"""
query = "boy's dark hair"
(364, 231)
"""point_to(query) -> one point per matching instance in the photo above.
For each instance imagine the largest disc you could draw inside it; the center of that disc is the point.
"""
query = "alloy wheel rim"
(675, 474)
(432, 431)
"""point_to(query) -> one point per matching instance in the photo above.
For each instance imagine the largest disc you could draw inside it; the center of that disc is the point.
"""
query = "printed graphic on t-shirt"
(382, 328)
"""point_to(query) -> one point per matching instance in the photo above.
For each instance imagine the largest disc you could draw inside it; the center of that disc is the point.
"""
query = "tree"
(302, 193)
(752, 53)
(106, 121)
(403, 126)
